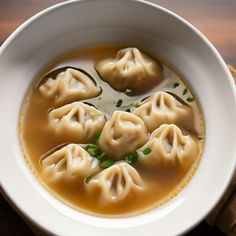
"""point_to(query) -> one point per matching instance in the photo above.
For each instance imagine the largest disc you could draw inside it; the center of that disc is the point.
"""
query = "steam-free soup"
(110, 130)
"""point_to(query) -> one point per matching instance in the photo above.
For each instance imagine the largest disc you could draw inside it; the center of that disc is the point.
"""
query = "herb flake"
(87, 179)
(185, 91)
(98, 134)
(93, 150)
(119, 103)
(107, 163)
(131, 158)
(91, 145)
(147, 151)
(137, 104)
(190, 99)
(175, 85)
(101, 157)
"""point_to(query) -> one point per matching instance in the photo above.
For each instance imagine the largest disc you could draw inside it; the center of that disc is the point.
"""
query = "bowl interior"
(76, 24)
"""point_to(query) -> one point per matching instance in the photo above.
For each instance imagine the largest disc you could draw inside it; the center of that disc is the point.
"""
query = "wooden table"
(215, 18)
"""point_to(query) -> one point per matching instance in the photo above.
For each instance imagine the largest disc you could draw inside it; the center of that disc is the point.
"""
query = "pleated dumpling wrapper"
(69, 162)
(168, 146)
(116, 182)
(163, 108)
(130, 69)
(69, 86)
(78, 122)
(122, 134)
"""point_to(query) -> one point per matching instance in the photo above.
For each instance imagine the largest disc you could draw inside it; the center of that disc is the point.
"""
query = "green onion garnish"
(119, 102)
(98, 134)
(128, 110)
(131, 158)
(97, 152)
(107, 163)
(147, 151)
(101, 156)
(87, 179)
(91, 145)
(138, 104)
(93, 150)
(185, 91)
(190, 99)
(175, 85)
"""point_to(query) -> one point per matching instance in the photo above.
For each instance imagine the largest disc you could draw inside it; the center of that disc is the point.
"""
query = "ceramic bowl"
(74, 24)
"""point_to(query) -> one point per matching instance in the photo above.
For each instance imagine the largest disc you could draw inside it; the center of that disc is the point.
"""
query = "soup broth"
(37, 138)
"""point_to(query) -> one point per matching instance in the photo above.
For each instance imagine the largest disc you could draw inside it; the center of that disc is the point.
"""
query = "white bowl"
(74, 24)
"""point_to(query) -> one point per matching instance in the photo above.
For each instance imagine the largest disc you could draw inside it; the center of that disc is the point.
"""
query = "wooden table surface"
(215, 18)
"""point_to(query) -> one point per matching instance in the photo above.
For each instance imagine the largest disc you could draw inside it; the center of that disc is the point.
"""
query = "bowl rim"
(20, 29)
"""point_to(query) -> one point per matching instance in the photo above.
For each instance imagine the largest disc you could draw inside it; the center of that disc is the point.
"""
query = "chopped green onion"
(175, 85)
(98, 134)
(190, 99)
(119, 102)
(91, 145)
(98, 152)
(147, 151)
(93, 150)
(131, 158)
(100, 98)
(107, 163)
(128, 110)
(138, 104)
(87, 179)
(185, 91)
(101, 156)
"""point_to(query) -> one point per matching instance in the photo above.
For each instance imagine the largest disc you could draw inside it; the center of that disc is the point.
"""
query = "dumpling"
(78, 121)
(163, 108)
(70, 85)
(168, 146)
(122, 134)
(69, 162)
(116, 182)
(130, 69)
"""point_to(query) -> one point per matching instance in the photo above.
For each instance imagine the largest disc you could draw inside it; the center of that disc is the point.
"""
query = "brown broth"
(36, 139)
